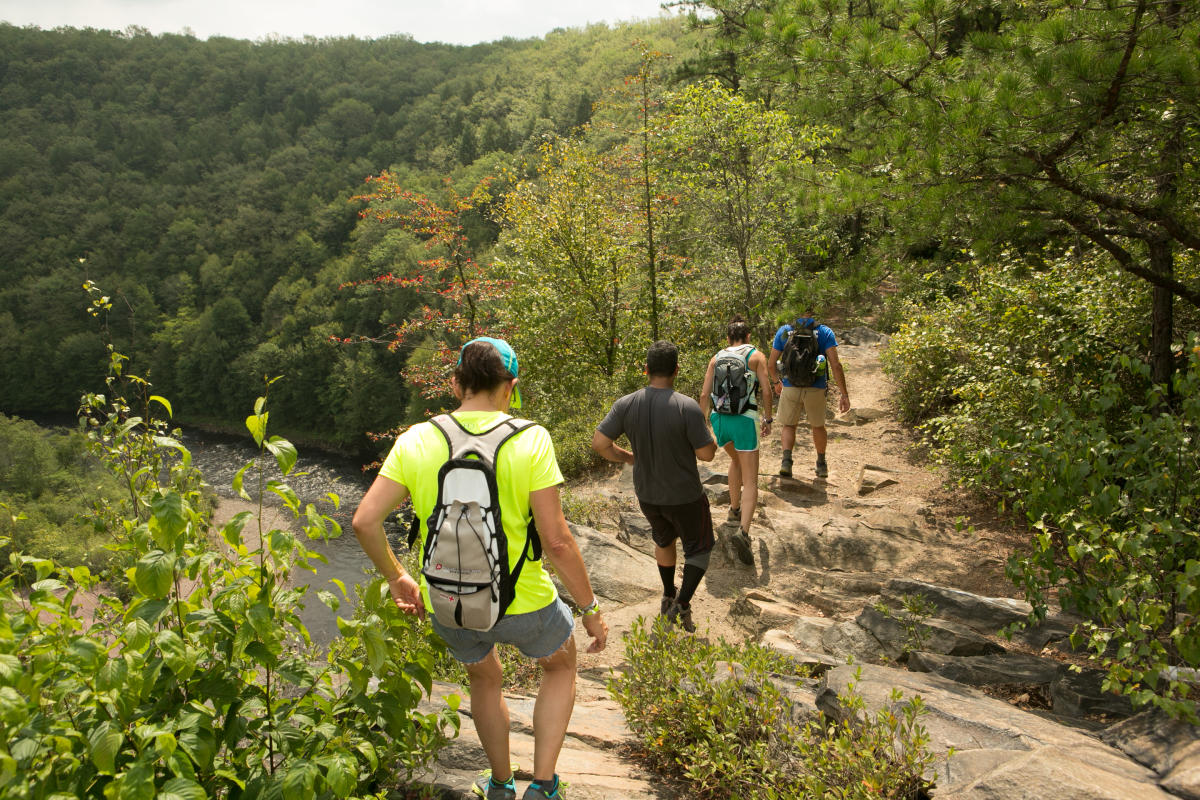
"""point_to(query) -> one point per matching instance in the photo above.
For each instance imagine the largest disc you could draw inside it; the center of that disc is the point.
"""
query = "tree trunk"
(1162, 316)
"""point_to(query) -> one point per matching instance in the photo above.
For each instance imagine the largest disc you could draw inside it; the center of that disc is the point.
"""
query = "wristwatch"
(591, 608)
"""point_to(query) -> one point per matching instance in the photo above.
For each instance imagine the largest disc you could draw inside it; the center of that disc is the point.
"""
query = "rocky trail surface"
(835, 561)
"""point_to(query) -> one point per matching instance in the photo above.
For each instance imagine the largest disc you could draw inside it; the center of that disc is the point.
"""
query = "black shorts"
(691, 523)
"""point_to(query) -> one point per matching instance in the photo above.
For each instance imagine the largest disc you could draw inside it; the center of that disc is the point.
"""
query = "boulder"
(634, 531)
(781, 642)
(862, 335)
(1048, 760)
(932, 635)
(985, 614)
(618, 573)
(836, 593)
(998, 669)
(840, 544)
(872, 478)
(1154, 739)
(893, 523)
(760, 611)
(789, 493)
(807, 631)
(847, 640)
(710, 477)
(1080, 694)
(718, 494)
(1054, 772)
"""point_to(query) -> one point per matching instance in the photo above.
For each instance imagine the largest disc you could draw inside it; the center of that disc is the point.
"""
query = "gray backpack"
(465, 558)
(734, 383)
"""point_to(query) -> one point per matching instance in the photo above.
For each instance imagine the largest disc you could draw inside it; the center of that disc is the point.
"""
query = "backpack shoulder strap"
(486, 444)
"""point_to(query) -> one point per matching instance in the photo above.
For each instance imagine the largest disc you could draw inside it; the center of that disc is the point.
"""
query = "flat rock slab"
(782, 642)
(1052, 760)
(760, 611)
(1169, 747)
(932, 635)
(847, 640)
(991, 670)
(985, 613)
(618, 573)
(590, 760)
(840, 544)
(1053, 772)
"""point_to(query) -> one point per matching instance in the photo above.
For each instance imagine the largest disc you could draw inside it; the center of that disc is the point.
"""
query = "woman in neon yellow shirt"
(537, 620)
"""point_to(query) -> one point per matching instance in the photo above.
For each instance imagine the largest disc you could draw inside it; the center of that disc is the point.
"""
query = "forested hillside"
(206, 186)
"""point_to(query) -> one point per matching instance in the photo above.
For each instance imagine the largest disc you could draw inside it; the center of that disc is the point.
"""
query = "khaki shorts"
(797, 403)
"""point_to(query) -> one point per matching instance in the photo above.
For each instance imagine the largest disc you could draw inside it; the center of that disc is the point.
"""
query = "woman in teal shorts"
(739, 433)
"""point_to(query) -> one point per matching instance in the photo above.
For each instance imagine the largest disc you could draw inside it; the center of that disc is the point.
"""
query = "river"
(219, 457)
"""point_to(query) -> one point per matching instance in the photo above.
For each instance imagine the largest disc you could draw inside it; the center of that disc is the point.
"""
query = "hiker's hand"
(597, 628)
(843, 403)
(407, 594)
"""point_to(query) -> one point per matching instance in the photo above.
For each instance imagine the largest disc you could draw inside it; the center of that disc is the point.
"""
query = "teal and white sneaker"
(537, 791)
(486, 788)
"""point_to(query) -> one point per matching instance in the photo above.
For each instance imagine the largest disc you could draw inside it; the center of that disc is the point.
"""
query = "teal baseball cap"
(508, 357)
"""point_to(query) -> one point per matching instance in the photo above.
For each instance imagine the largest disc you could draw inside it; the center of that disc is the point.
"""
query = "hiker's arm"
(772, 365)
(839, 375)
(559, 547)
(607, 448)
(379, 501)
(706, 389)
(766, 404)
(708, 452)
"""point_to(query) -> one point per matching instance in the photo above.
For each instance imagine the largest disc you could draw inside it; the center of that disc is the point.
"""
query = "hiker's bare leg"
(665, 556)
(552, 711)
(735, 476)
(749, 468)
(787, 436)
(820, 439)
(490, 713)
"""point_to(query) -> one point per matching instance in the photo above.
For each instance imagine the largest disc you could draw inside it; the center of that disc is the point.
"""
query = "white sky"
(452, 21)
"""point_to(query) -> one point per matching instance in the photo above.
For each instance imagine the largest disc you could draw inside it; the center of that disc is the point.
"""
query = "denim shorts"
(537, 634)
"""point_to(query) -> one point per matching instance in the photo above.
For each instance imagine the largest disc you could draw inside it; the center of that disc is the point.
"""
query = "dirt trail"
(930, 533)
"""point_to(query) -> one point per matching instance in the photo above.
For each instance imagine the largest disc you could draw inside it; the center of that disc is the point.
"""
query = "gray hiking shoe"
(785, 467)
(664, 608)
(537, 792)
(484, 787)
(741, 546)
(822, 467)
(735, 514)
(682, 616)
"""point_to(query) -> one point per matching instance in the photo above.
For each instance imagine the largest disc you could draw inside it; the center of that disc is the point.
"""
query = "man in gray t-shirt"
(668, 433)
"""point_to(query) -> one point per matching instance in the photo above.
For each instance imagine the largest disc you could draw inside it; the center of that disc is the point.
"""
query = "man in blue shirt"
(797, 402)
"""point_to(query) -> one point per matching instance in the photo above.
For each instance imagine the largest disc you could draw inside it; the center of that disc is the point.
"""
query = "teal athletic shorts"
(740, 429)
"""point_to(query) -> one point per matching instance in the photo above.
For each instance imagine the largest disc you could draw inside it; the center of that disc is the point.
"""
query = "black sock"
(691, 581)
(668, 579)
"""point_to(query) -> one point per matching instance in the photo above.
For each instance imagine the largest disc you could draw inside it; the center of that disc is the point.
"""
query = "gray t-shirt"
(666, 429)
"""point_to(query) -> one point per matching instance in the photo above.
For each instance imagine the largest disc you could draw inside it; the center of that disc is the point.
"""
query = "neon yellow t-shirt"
(526, 464)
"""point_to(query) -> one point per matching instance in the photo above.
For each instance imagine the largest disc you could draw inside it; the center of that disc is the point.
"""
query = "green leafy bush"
(204, 682)
(739, 737)
(1114, 501)
(1029, 386)
(985, 348)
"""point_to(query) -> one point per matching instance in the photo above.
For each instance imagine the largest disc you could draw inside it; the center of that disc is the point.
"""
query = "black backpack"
(733, 383)
(465, 558)
(798, 363)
